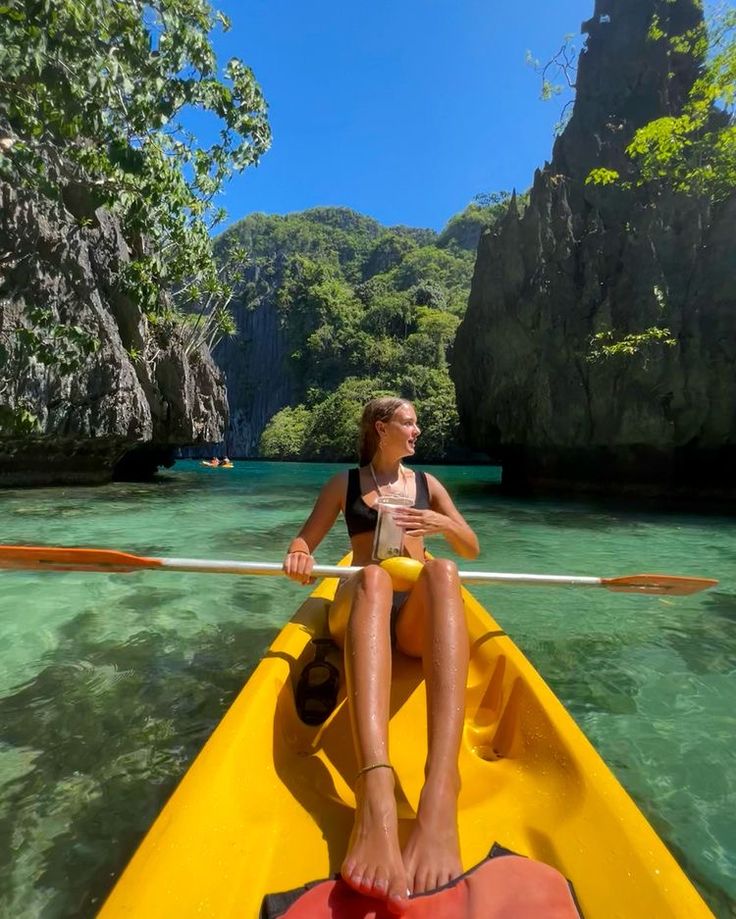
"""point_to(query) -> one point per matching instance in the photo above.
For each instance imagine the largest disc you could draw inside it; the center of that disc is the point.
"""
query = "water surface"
(110, 684)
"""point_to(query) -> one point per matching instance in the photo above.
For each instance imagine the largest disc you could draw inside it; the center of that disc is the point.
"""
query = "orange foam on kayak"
(507, 887)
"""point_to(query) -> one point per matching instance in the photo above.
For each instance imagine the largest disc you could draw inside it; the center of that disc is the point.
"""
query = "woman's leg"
(431, 625)
(361, 617)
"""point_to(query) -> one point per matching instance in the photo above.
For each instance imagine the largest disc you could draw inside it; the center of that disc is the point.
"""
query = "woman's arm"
(299, 559)
(443, 518)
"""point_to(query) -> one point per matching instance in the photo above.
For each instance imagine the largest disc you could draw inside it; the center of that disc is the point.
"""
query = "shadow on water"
(708, 643)
(107, 729)
(586, 674)
(588, 509)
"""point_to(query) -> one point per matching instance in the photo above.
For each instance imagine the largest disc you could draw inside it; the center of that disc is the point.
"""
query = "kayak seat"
(503, 886)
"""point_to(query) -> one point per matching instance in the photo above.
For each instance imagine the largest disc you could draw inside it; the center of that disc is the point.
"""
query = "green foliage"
(388, 252)
(53, 343)
(436, 266)
(433, 395)
(285, 435)
(332, 433)
(338, 237)
(435, 333)
(366, 311)
(608, 344)
(321, 314)
(602, 176)
(18, 422)
(693, 152)
(92, 93)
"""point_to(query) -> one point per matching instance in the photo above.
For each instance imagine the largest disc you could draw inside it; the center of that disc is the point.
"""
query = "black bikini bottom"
(398, 601)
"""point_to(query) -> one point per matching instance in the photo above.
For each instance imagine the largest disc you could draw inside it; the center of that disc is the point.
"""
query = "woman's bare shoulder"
(336, 485)
(435, 486)
(338, 479)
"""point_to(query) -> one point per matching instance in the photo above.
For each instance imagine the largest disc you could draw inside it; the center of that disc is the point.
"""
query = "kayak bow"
(268, 804)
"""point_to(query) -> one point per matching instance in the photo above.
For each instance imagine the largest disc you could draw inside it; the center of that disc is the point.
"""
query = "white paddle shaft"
(341, 571)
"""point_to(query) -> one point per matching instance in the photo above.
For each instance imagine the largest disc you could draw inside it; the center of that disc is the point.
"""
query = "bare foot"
(432, 854)
(373, 864)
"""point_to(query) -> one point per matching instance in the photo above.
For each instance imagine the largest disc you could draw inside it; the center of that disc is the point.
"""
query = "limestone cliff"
(259, 381)
(130, 402)
(584, 259)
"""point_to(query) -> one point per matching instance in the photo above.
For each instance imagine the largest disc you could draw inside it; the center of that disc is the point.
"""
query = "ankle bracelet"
(374, 766)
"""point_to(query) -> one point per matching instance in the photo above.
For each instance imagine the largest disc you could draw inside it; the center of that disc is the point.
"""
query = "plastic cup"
(388, 541)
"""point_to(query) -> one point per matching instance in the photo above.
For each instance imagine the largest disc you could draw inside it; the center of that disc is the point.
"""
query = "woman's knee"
(372, 596)
(441, 571)
(374, 580)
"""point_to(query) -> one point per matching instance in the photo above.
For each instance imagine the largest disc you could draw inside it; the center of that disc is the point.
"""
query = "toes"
(431, 881)
(354, 878)
(368, 885)
(420, 882)
(380, 883)
(397, 898)
(348, 870)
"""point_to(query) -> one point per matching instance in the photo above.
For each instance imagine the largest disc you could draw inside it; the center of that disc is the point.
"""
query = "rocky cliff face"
(584, 259)
(130, 402)
(259, 382)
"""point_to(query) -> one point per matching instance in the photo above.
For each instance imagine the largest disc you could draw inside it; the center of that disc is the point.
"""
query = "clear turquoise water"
(109, 684)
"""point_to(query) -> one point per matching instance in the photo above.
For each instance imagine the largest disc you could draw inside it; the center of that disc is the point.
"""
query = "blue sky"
(402, 110)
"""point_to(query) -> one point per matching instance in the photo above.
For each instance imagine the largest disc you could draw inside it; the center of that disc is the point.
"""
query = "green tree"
(285, 434)
(435, 266)
(693, 152)
(388, 252)
(321, 315)
(433, 394)
(392, 313)
(93, 95)
(439, 421)
(435, 334)
(332, 433)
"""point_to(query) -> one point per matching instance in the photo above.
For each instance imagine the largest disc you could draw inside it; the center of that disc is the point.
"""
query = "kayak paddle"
(54, 558)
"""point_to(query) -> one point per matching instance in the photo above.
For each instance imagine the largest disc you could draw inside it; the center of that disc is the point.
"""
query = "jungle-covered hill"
(336, 308)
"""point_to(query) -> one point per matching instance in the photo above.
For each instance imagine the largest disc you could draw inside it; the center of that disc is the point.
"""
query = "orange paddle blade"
(51, 558)
(658, 584)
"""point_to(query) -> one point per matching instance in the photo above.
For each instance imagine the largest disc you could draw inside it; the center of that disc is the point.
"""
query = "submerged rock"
(583, 259)
(127, 405)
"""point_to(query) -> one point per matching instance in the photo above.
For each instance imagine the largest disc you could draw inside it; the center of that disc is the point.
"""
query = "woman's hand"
(298, 566)
(422, 522)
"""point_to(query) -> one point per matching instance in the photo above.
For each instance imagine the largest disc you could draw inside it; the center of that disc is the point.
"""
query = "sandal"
(318, 685)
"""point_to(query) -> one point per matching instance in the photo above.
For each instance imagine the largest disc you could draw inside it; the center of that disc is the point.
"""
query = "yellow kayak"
(268, 804)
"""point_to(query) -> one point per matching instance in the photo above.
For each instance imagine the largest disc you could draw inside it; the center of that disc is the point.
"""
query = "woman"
(428, 623)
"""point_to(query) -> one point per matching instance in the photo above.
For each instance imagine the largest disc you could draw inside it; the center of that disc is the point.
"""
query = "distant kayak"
(217, 465)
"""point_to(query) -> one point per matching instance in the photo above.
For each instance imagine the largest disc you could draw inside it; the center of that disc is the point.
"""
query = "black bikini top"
(362, 519)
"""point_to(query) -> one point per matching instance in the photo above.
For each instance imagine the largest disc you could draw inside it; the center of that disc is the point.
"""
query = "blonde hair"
(381, 409)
